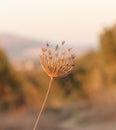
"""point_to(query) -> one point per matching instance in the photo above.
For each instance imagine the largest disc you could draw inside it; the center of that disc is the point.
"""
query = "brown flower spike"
(56, 62)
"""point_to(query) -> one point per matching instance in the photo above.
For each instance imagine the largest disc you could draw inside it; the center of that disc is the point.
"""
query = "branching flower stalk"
(56, 62)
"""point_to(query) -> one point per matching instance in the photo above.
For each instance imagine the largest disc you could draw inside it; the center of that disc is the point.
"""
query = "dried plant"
(56, 62)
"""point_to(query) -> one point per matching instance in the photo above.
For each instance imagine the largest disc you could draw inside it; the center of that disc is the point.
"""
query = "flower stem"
(44, 102)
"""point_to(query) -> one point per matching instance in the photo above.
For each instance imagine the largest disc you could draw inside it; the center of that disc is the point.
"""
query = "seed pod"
(47, 44)
(56, 47)
(63, 42)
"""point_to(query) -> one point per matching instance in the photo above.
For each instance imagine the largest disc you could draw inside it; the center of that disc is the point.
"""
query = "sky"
(76, 21)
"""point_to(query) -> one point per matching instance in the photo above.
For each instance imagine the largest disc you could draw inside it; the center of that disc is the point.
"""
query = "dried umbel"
(55, 61)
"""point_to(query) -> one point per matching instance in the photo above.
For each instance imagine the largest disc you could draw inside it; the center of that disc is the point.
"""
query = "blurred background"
(86, 98)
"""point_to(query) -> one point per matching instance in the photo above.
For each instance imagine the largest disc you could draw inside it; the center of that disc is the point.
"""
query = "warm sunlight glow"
(76, 21)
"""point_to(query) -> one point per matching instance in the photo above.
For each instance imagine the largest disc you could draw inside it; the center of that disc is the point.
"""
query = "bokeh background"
(83, 100)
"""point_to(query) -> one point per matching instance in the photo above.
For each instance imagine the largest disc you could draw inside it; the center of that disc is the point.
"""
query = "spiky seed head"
(57, 64)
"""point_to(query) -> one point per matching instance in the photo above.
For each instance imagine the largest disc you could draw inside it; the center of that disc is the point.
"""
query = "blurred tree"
(8, 75)
(83, 67)
(108, 44)
(10, 84)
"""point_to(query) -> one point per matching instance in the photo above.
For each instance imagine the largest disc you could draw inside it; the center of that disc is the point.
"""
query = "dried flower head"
(55, 61)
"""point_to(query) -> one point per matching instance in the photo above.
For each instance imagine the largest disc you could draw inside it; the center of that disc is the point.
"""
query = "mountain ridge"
(19, 47)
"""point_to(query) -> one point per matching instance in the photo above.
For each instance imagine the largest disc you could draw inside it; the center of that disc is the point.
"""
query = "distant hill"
(20, 48)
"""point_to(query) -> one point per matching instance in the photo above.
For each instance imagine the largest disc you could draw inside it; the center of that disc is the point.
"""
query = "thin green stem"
(44, 102)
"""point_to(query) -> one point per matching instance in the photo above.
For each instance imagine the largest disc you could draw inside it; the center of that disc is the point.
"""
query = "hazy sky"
(76, 21)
